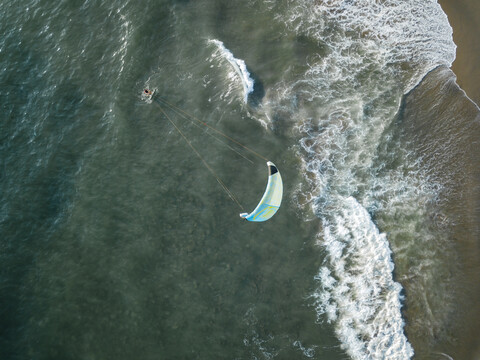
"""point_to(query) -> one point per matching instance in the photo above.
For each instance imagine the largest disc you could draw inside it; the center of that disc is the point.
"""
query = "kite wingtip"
(272, 169)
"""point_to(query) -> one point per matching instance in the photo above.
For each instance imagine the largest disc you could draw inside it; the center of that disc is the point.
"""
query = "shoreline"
(447, 149)
(464, 18)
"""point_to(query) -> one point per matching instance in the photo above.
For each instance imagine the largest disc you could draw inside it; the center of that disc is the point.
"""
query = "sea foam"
(239, 67)
(344, 106)
(356, 289)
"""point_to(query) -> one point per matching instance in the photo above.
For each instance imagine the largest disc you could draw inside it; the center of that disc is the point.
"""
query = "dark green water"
(116, 242)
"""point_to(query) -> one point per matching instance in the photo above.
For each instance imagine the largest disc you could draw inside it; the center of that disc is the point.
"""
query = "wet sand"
(443, 127)
(464, 17)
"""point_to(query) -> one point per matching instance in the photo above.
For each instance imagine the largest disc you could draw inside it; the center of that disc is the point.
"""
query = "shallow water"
(117, 242)
(446, 149)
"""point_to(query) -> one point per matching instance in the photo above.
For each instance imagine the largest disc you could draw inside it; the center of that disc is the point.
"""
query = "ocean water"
(116, 242)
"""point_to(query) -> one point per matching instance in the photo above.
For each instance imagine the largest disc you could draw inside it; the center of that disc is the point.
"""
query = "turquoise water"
(118, 243)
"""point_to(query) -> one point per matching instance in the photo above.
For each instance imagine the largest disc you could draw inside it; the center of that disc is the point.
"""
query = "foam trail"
(373, 52)
(239, 67)
(357, 291)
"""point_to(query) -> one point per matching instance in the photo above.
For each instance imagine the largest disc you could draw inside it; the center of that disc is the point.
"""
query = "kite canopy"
(272, 198)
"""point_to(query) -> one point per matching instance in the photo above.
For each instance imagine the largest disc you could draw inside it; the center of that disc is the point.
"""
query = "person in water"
(147, 92)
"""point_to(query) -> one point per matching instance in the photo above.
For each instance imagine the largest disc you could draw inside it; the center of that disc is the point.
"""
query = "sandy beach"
(464, 17)
(455, 332)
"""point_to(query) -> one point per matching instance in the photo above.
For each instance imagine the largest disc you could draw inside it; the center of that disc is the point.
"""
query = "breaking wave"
(343, 108)
(238, 65)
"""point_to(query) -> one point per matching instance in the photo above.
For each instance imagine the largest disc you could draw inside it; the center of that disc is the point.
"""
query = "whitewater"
(343, 109)
(344, 105)
(238, 66)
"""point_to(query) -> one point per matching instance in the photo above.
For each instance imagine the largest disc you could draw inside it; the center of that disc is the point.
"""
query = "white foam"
(239, 67)
(356, 288)
(307, 352)
(390, 33)
(375, 52)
